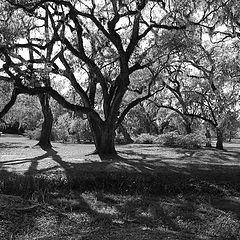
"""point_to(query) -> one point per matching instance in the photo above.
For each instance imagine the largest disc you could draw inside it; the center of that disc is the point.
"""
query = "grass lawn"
(146, 192)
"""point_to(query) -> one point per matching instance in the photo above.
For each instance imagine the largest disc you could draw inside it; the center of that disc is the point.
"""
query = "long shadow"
(16, 225)
(10, 145)
(141, 171)
(100, 223)
(172, 179)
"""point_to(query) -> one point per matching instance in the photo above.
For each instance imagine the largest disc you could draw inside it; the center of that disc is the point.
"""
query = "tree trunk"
(187, 124)
(125, 134)
(45, 137)
(155, 129)
(103, 135)
(230, 136)
(188, 128)
(219, 144)
(208, 138)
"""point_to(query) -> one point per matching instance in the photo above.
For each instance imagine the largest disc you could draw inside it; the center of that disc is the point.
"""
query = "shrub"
(60, 130)
(60, 134)
(169, 139)
(119, 139)
(192, 141)
(145, 138)
(33, 134)
(80, 130)
(173, 139)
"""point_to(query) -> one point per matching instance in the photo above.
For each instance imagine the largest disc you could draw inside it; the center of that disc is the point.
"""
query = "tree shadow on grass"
(135, 172)
(57, 220)
(112, 176)
(48, 218)
(7, 145)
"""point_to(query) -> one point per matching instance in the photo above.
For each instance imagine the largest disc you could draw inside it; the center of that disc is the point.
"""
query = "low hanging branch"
(60, 99)
(185, 114)
(56, 96)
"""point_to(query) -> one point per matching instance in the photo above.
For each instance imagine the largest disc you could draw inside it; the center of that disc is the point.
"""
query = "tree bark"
(46, 132)
(103, 135)
(208, 138)
(219, 144)
(187, 124)
(188, 128)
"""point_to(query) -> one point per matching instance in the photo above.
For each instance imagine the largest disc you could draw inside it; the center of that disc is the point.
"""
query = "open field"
(146, 192)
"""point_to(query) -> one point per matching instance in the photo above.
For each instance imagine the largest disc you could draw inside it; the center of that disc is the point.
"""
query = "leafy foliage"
(173, 139)
(145, 138)
(80, 130)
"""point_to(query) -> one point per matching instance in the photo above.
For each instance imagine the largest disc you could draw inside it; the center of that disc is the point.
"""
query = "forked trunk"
(45, 137)
(219, 144)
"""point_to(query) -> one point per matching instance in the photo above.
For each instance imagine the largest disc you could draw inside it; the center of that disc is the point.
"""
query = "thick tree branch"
(68, 73)
(60, 99)
(202, 117)
(9, 105)
(208, 104)
(137, 66)
(6, 79)
(160, 26)
(185, 114)
(135, 36)
(168, 107)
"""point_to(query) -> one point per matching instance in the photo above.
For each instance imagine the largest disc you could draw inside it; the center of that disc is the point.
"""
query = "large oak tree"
(103, 49)
(97, 47)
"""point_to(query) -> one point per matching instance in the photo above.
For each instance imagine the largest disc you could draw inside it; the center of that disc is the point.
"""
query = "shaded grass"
(100, 204)
(69, 214)
(197, 202)
(168, 183)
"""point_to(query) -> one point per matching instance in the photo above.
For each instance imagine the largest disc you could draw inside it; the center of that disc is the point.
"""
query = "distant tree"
(216, 86)
(232, 125)
(142, 119)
